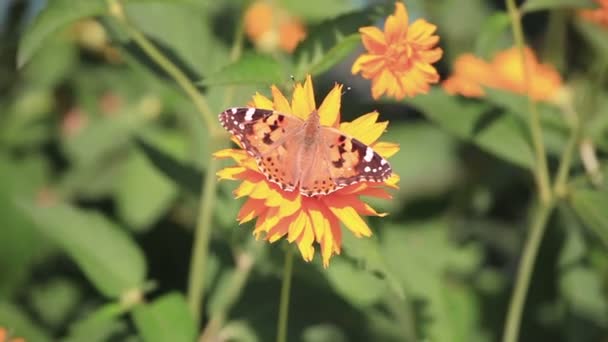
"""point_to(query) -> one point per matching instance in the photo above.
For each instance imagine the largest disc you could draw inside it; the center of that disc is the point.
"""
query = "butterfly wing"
(344, 160)
(271, 137)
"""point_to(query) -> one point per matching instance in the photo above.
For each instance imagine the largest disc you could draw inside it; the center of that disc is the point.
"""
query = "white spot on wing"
(383, 161)
(233, 110)
(249, 114)
(369, 154)
(367, 169)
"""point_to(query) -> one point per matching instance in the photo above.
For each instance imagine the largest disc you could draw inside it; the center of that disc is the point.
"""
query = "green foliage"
(103, 251)
(165, 319)
(537, 5)
(104, 159)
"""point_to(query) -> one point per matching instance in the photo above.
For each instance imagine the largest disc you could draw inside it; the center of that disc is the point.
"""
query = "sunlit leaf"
(249, 69)
(336, 54)
(502, 135)
(103, 251)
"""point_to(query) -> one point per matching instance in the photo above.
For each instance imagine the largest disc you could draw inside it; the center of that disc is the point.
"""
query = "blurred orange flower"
(271, 27)
(306, 219)
(470, 73)
(398, 60)
(598, 15)
(4, 337)
(505, 72)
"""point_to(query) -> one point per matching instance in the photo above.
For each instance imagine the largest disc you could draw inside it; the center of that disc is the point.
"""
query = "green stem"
(541, 171)
(196, 283)
(117, 10)
(561, 179)
(524, 273)
(198, 260)
(238, 279)
(285, 288)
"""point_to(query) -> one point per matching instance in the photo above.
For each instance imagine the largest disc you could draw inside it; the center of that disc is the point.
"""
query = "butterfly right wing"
(270, 137)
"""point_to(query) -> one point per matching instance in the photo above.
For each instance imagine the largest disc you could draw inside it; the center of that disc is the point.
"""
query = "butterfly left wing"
(270, 137)
(259, 130)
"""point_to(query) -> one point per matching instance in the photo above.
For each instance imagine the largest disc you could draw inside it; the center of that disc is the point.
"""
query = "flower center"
(398, 56)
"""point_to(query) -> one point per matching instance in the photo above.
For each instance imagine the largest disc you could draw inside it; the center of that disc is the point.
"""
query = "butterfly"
(302, 155)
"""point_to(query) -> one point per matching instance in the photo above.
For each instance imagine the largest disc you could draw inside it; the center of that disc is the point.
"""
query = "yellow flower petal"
(301, 105)
(351, 220)
(395, 27)
(244, 189)
(305, 242)
(329, 111)
(365, 128)
(386, 149)
(320, 223)
(261, 101)
(280, 102)
(230, 172)
(297, 226)
(373, 39)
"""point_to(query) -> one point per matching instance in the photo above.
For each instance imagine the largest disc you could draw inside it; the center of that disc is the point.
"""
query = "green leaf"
(56, 15)
(249, 69)
(323, 333)
(55, 300)
(595, 35)
(98, 325)
(315, 10)
(91, 145)
(422, 255)
(21, 245)
(368, 253)
(167, 319)
(19, 324)
(336, 54)
(186, 176)
(144, 193)
(501, 135)
(582, 287)
(343, 274)
(183, 31)
(493, 35)
(328, 34)
(103, 251)
(590, 205)
(539, 5)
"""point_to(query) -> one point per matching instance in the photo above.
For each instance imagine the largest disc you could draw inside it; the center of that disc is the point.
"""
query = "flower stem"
(196, 281)
(117, 11)
(285, 288)
(198, 259)
(541, 172)
(524, 273)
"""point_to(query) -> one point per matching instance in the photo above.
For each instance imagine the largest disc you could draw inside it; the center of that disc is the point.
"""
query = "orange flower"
(5, 337)
(399, 59)
(308, 219)
(270, 27)
(598, 15)
(470, 73)
(505, 72)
